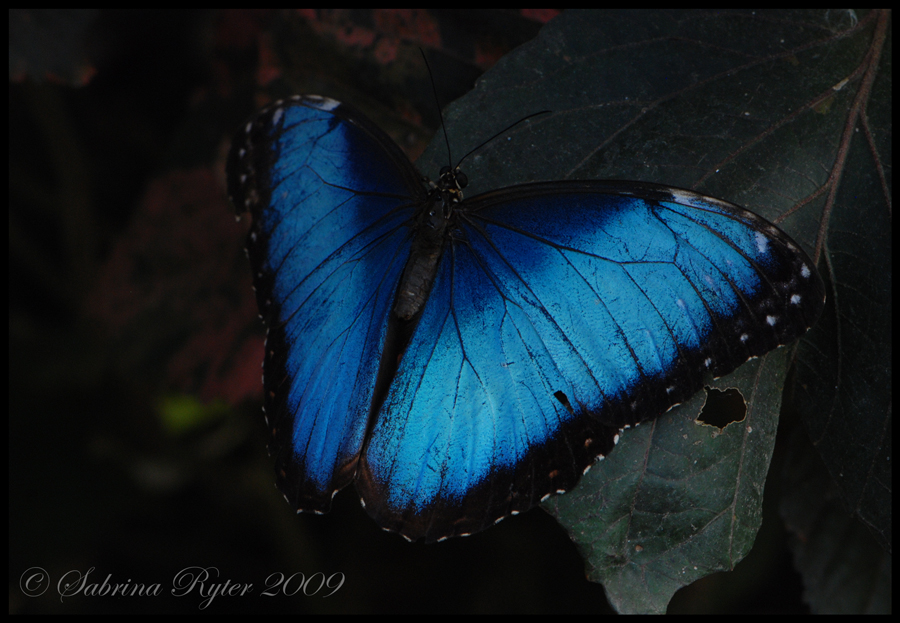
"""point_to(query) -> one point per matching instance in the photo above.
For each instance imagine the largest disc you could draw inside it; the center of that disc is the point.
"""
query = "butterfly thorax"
(429, 236)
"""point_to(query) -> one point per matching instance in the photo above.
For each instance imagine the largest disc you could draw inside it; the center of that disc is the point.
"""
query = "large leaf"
(785, 113)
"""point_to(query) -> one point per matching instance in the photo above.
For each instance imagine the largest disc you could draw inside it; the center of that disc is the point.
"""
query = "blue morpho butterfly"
(460, 360)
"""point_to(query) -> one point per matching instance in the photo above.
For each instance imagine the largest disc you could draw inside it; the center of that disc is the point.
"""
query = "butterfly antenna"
(501, 132)
(444, 127)
(440, 115)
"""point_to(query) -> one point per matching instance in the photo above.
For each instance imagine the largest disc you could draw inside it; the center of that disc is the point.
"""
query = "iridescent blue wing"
(330, 195)
(560, 313)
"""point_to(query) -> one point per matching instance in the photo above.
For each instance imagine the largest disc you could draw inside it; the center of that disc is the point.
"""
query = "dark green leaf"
(784, 113)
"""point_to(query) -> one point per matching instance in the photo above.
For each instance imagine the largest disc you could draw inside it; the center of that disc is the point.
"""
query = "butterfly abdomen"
(429, 237)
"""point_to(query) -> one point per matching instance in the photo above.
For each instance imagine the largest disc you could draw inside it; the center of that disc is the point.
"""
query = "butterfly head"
(450, 186)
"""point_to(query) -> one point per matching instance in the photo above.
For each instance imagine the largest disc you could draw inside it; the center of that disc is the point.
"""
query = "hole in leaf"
(723, 408)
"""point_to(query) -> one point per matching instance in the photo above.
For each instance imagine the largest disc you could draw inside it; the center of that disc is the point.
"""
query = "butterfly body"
(460, 359)
(429, 238)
